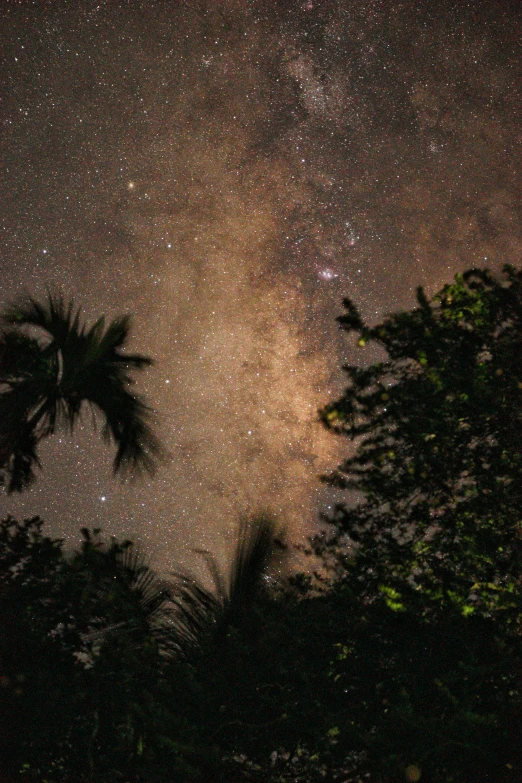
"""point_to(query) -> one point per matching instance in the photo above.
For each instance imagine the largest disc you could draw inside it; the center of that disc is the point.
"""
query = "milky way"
(227, 172)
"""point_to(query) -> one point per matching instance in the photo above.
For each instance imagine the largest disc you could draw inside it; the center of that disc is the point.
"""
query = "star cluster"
(228, 172)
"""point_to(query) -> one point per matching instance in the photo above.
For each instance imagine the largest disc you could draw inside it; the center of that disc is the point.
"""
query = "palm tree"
(206, 614)
(45, 381)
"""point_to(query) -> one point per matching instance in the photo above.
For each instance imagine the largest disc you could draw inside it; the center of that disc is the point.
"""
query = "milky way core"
(227, 172)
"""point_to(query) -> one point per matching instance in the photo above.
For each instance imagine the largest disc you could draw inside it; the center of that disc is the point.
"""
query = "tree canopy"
(436, 461)
(427, 549)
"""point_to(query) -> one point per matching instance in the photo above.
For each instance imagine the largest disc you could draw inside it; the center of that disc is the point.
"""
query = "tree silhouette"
(88, 639)
(46, 380)
(437, 427)
(96, 639)
(428, 552)
(205, 614)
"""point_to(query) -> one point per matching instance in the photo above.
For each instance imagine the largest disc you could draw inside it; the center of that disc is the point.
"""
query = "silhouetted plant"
(437, 460)
(207, 613)
(45, 382)
(88, 640)
(429, 551)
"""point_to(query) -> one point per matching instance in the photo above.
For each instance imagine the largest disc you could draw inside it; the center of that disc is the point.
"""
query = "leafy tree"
(428, 553)
(133, 670)
(89, 688)
(46, 380)
(437, 458)
(36, 670)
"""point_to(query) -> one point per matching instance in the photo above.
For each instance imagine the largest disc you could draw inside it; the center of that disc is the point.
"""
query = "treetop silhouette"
(46, 381)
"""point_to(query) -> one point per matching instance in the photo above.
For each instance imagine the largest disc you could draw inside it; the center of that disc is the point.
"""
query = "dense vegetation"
(399, 660)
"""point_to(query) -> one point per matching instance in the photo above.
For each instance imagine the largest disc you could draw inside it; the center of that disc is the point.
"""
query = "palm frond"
(196, 617)
(254, 551)
(20, 358)
(58, 319)
(52, 377)
(24, 380)
(128, 595)
(105, 343)
(205, 614)
(18, 460)
(127, 423)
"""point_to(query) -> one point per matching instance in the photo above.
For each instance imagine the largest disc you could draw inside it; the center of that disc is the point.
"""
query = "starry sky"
(227, 171)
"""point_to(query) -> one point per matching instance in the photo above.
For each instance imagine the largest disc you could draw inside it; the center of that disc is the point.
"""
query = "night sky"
(227, 171)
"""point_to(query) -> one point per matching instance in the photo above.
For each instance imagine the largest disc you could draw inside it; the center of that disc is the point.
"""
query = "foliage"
(46, 380)
(437, 458)
(97, 640)
(428, 553)
(205, 615)
(88, 640)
